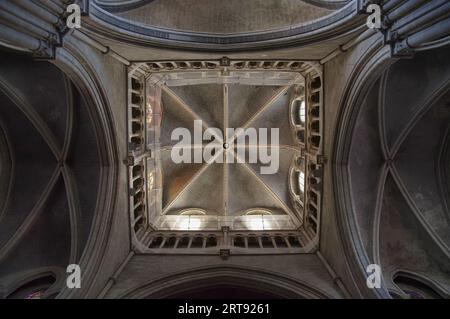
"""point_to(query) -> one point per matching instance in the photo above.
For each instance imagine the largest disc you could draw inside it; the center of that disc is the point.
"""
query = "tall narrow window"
(150, 181)
(302, 112)
(301, 182)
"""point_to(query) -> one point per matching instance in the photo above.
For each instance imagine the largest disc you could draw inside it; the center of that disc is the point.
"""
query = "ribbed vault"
(47, 213)
(218, 146)
(397, 165)
(231, 188)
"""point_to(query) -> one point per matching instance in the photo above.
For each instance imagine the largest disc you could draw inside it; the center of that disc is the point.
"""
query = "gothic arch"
(420, 284)
(22, 279)
(55, 123)
(230, 276)
(74, 65)
(368, 69)
(366, 235)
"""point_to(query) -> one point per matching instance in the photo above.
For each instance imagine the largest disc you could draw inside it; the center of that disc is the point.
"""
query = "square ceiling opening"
(226, 150)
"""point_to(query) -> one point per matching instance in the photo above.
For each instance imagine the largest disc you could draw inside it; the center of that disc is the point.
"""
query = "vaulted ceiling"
(399, 167)
(49, 168)
(227, 189)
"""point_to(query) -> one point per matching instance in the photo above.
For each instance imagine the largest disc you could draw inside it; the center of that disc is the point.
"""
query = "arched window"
(302, 112)
(301, 182)
(192, 219)
(414, 287)
(298, 177)
(298, 111)
(34, 289)
(298, 116)
(256, 219)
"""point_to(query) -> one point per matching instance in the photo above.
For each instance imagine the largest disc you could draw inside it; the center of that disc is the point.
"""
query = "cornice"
(116, 28)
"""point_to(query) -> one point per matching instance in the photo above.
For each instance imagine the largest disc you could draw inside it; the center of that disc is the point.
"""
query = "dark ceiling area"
(399, 167)
(225, 292)
(51, 170)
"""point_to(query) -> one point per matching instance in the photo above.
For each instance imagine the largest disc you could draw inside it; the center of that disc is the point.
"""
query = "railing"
(136, 113)
(137, 197)
(225, 242)
(226, 64)
(314, 105)
(308, 133)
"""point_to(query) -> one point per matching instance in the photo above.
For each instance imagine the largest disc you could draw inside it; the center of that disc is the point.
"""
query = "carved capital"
(224, 254)
(401, 49)
(391, 36)
(225, 61)
(322, 159)
(129, 161)
(45, 51)
(225, 229)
